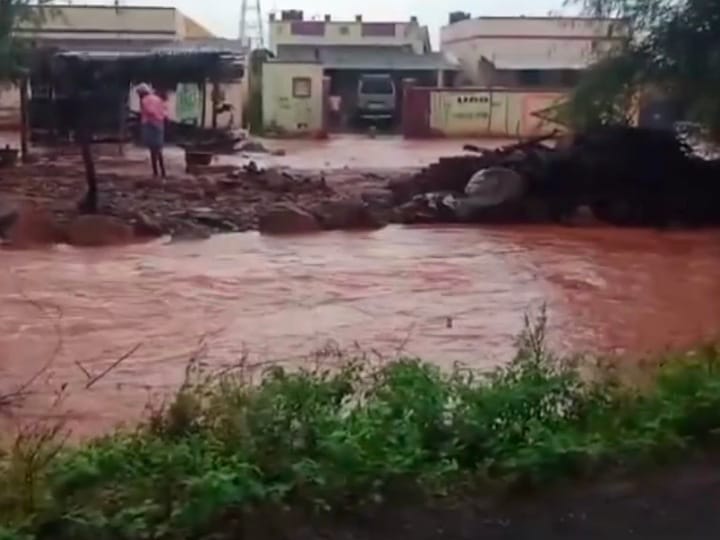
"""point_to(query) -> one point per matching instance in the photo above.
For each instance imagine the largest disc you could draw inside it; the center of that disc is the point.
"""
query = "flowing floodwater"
(447, 294)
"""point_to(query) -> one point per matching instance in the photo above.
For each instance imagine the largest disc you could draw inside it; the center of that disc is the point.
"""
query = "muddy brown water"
(447, 294)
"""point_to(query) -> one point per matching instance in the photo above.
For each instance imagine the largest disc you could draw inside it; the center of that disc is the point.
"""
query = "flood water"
(447, 294)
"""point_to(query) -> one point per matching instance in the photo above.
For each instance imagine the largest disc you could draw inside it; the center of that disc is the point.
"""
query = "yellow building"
(313, 82)
(293, 98)
(293, 30)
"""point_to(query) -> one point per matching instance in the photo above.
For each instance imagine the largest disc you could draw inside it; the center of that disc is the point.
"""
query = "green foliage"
(320, 441)
(674, 51)
(13, 52)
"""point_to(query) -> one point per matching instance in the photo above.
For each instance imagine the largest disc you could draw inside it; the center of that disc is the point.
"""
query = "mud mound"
(626, 176)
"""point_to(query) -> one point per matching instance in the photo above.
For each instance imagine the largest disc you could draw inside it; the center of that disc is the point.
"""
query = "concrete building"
(100, 29)
(110, 28)
(529, 51)
(291, 30)
(332, 57)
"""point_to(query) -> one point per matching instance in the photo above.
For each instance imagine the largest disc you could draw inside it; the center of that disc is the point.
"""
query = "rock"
(495, 185)
(378, 198)
(147, 227)
(8, 216)
(404, 189)
(98, 231)
(277, 181)
(348, 214)
(211, 218)
(31, 227)
(286, 218)
(188, 232)
(253, 147)
(583, 217)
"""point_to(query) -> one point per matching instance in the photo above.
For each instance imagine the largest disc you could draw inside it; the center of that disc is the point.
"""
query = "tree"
(13, 49)
(675, 49)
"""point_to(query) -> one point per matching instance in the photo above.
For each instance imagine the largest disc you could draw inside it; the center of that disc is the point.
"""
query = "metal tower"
(252, 33)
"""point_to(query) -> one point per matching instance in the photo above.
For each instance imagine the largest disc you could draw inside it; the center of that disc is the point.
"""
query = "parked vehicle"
(377, 97)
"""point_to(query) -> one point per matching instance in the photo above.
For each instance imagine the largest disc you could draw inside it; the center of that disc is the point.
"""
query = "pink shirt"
(152, 110)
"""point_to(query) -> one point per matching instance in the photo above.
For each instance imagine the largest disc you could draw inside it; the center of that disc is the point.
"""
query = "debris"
(286, 218)
(626, 176)
(347, 214)
(253, 147)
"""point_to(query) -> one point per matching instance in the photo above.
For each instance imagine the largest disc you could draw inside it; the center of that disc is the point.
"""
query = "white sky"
(221, 16)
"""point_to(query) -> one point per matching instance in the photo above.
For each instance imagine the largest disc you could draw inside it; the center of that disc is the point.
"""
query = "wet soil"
(218, 198)
(681, 503)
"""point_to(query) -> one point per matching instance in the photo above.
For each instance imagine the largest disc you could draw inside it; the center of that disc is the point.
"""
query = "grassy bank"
(224, 453)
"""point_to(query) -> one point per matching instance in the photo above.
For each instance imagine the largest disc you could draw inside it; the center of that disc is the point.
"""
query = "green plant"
(673, 52)
(13, 50)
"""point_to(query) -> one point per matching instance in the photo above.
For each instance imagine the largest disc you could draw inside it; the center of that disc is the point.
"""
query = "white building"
(529, 51)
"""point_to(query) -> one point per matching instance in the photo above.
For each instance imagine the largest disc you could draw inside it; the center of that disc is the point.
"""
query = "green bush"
(336, 440)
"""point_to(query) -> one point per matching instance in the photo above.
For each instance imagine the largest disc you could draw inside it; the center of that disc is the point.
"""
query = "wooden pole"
(203, 92)
(215, 103)
(24, 120)
(89, 205)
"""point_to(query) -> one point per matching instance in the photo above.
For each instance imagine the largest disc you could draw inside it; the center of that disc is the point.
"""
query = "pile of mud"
(621, 176)
(39, 202)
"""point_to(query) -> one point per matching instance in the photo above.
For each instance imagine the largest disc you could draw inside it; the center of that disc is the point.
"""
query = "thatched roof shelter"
(166, 67)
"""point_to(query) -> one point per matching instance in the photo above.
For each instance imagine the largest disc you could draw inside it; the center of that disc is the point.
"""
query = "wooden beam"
(24, 120)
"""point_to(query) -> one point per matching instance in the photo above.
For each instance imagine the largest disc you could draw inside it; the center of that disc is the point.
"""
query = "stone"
(8, 216)
(347, 214)
(277, 181)
(583, 217)
(147, 226)
(494, 186)
(252, 147)
(286, 218)
(31, 227)
(98, 231)
(188, 232)
(378, 198)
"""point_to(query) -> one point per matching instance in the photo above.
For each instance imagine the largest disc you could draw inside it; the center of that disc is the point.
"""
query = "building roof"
(167, 65)
(370, 58)
(539, 63)
(229, 47)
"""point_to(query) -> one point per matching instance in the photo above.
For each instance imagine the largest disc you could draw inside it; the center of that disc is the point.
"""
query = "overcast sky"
(221, 16)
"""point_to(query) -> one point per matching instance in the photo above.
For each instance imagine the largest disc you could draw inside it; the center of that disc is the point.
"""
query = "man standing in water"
(152, 118)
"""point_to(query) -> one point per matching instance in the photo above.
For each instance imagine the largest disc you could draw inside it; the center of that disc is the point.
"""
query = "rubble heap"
(625, 176)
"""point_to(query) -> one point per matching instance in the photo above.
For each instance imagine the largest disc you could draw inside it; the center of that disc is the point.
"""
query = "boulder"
(252, 147)
(30, 226)
(286, 218)
(495, 185)
(98, 231)
(147, 226)
(378, 198)
(8, 215)
(583, 216)
(347, 214)
(493, 195)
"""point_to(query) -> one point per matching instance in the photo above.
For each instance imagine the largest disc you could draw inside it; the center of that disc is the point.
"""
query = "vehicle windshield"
(377, 86)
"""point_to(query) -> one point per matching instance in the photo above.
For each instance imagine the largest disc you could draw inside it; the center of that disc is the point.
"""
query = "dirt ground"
(681, 503)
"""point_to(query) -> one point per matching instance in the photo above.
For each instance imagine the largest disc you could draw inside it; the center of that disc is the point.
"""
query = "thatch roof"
(166, 67)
